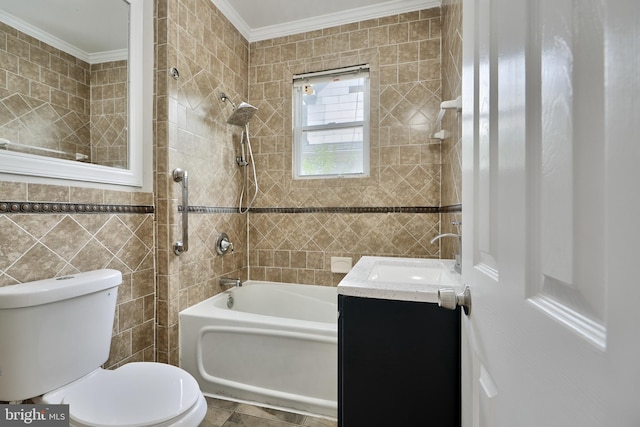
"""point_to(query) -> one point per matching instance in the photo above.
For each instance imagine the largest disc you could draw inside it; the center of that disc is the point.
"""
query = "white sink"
(408, 279)
(393, 271)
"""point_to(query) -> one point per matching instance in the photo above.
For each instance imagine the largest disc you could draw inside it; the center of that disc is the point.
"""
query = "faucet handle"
(223, 244)
(226, 245)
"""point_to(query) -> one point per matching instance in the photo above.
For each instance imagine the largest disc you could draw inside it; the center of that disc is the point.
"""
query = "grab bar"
(180, 175)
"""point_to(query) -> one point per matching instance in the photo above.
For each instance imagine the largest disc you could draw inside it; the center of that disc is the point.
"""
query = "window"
(331, 124)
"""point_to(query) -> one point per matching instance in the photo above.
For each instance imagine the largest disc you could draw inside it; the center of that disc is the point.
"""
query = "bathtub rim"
(206, 308)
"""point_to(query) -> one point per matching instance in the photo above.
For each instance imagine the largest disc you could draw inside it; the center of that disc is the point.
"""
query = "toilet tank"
(55, 331)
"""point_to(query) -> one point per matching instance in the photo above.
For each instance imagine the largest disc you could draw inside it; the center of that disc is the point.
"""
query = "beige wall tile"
(47, 193)
(56, 101)
(403, 111)
(192, 133)
(451, 150)
(60, 244)
(404, 51)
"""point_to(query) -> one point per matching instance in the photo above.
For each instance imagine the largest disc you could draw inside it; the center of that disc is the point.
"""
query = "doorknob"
(447, 298)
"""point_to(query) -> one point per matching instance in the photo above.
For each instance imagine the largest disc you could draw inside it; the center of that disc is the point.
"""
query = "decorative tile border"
(54, 208)
(58, 208)
(346, 209)
(336, 209)
(209, 209)
(451, 209)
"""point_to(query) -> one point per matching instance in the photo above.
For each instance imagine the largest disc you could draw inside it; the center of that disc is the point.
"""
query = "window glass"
(331, 131)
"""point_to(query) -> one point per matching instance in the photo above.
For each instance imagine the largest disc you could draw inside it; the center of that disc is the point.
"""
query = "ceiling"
(264, 19)
(93, 28)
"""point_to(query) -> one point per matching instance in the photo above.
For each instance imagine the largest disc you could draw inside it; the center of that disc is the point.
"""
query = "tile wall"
(109, 114)
(191, 133)
(51, 99)
(452, 148)
(404, 53)
(50, 231)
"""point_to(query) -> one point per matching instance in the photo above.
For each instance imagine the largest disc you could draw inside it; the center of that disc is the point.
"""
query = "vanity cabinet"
(399, 363)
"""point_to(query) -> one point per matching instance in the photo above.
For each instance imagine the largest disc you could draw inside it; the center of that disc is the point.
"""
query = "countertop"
(362, 281)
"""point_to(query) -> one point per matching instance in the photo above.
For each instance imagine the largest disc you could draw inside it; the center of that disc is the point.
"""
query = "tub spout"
(224, 281)
(457, 256)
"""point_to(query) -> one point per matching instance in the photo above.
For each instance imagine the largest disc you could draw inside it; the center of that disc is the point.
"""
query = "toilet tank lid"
(58, 288)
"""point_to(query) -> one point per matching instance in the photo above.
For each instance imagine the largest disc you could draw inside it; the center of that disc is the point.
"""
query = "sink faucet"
(224, 281)
(458, 256)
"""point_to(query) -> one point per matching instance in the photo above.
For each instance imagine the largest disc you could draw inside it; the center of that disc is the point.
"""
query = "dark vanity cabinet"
(399, 363)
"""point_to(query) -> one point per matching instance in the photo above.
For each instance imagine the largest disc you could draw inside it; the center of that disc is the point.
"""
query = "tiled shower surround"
(404, 54)
(451, 189)
(297, 225)
(191, 133)
(53, 100)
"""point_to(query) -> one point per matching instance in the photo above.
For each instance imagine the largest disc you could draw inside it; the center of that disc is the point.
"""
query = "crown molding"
(319, 22)
(234, 17)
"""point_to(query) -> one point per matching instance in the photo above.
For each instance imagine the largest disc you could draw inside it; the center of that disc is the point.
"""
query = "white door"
(551, 208)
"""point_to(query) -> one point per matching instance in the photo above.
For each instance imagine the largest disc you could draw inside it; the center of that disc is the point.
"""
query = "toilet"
(56, 334)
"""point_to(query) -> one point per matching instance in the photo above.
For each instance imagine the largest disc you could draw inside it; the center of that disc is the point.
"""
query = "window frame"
(299, 81)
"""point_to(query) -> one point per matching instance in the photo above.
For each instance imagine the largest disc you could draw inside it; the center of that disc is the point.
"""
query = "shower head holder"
(225, 98)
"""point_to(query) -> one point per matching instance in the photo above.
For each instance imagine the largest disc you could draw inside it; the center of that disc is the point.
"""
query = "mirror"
(70, 102)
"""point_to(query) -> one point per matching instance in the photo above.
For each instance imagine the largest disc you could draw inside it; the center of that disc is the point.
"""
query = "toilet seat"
(134, 395)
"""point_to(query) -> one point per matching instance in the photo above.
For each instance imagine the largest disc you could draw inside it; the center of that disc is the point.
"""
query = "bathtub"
(272, 344)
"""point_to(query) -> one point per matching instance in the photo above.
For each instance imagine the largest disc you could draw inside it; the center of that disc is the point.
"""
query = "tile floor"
(224, 413)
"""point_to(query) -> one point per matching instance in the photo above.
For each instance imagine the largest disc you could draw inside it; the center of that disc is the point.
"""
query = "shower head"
(242, 114)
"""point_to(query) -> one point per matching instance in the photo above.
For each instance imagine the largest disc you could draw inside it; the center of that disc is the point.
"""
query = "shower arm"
(225, 98)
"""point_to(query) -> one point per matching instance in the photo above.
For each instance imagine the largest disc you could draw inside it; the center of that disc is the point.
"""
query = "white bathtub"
(276, 346)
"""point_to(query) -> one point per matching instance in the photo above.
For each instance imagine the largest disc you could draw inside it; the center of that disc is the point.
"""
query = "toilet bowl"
(136, 394)
(55, 336)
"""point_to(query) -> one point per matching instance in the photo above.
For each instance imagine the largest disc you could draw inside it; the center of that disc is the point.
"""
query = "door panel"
(550, 106)
(566, 163)
(486, 156)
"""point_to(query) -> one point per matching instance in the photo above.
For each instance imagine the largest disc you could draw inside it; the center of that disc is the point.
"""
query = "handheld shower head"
(242, 114)
(240, 117)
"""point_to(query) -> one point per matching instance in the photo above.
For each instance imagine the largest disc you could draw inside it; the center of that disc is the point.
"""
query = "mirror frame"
(39, 166)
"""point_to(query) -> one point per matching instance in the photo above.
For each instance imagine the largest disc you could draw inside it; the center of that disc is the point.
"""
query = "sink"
(408, 279)
(424, 272)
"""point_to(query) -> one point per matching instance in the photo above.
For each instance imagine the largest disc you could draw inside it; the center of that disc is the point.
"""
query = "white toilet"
(56, 334)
